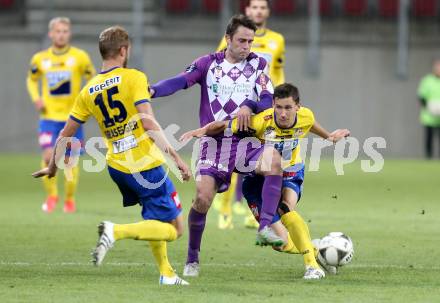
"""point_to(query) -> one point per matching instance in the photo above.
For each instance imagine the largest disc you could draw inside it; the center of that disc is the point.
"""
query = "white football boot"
(175, 280)
(333, 270)
(313, 273)
(191, 269)
(267, 236)
(105, 242)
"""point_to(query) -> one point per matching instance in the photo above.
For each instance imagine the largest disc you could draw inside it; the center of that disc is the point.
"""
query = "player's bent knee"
(178, 225)
(203, 201)
(275, 166)
(179, 230)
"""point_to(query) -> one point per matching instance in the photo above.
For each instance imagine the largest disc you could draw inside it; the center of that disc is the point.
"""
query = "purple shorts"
(220, 156)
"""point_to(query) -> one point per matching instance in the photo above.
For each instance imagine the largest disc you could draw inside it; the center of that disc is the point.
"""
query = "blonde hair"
(55, 20)
(111, 40)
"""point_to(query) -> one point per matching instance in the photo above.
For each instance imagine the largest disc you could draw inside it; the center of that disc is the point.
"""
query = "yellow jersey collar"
(59, 51)
(260, 32)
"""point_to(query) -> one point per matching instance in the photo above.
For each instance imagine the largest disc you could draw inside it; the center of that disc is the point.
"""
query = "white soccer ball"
(336, 249)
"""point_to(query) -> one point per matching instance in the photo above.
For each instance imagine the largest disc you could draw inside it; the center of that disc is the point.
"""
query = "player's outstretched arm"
(168, 87)
(338, 134)
(152, 127)
(210, 129)
(334, 137)
(59, 150)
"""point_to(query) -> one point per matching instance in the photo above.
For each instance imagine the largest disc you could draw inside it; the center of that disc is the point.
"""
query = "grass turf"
(392, 217)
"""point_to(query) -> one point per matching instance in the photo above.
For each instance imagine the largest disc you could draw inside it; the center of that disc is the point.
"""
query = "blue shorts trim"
(152, 189)
(49, 130)
(253, 184)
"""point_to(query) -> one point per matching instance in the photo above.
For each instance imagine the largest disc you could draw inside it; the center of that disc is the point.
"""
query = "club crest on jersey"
(70, 62)
(298, 132)
(272, 44)
(46, 64)
(218, 72)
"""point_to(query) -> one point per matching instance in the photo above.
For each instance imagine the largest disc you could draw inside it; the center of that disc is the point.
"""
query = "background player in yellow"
(269, 45)
(282, 127)
(119, 100)
(54, 80)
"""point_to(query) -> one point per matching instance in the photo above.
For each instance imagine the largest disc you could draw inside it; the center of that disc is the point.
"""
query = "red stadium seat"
(283, 7)
(6, 3)
(424, 8)
(177, 6)
(325, 7)
(355, 7)
(388, 8)
(211, 6)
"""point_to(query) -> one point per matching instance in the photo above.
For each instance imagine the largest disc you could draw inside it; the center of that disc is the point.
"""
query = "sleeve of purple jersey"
(169, 86)
(257, 107)
(265, 103)
(194, 73)
(263, 88)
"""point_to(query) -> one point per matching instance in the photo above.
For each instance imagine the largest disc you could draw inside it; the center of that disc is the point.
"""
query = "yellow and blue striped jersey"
(111, 97)
(285, 140)
(61, 75)
(269, 45)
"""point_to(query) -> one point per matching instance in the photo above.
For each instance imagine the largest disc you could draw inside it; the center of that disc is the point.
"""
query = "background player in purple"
(233, 82)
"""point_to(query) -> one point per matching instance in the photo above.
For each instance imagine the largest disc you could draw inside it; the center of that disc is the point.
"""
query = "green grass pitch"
(392, 217)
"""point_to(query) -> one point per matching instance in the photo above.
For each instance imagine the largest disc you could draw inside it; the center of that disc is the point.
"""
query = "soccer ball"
(336, 249)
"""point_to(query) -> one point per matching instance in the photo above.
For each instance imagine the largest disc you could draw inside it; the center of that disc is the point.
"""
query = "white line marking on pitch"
(61, 264)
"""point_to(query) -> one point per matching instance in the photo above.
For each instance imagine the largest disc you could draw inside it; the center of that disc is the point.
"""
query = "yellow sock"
(71, 176)
(149, 230)
(50, 185)
(227, 196)
(290, 247)
(159, 249)
(301, 237)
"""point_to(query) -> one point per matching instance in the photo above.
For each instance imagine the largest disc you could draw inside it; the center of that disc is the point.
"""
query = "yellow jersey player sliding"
(269, 45)
(119, 100)
(60, 69)
(282, 127)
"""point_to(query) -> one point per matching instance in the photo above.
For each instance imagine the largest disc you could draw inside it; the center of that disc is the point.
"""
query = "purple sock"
(271, 195)
(238, 191)
(196, 225)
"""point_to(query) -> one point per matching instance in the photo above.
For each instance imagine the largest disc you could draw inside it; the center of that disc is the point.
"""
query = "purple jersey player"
(233, 82)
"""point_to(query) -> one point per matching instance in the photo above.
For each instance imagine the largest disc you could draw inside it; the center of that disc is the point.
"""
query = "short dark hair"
(286, 90)
(111, 40)
(239, 20)
(248, 3)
